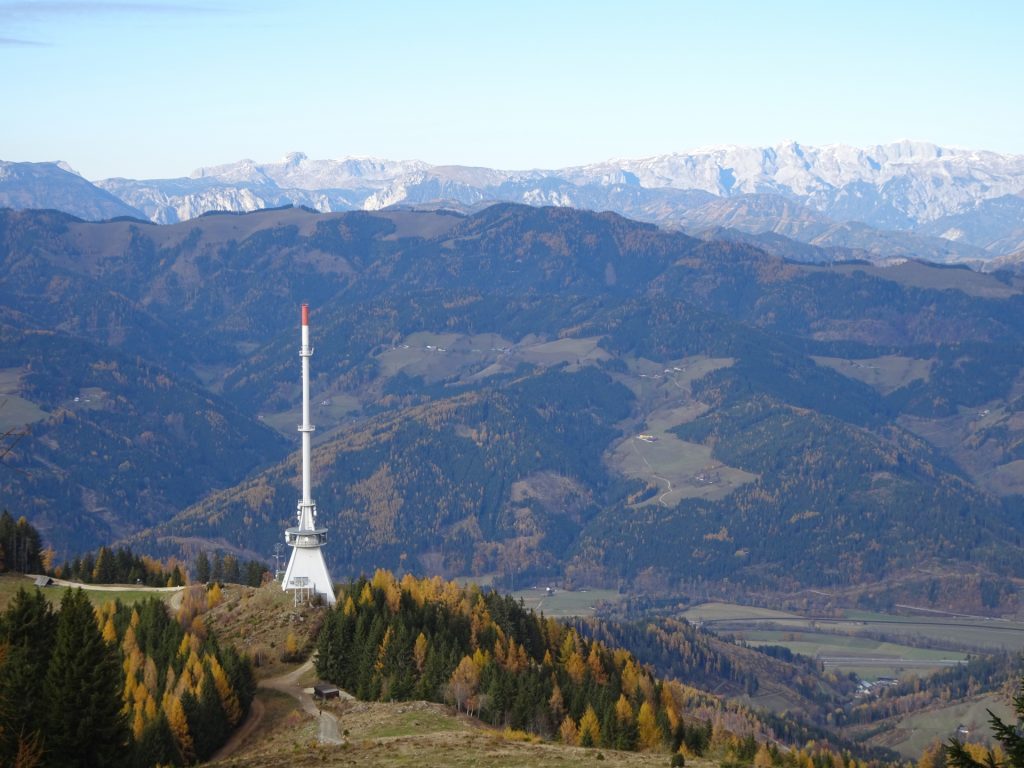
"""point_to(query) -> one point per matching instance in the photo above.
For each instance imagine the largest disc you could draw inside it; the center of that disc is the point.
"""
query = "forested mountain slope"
(521, 391)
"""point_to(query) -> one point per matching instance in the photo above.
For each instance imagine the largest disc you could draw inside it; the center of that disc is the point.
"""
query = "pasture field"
(565, 603)
(655, 383)
(325, 417)
(1008, 478)
(430, 355)
(439, 356)
(923, 276)
(916, 732)
(885, 374)
(569, 350)
(18, 412)
(410, 720)
(284, 422)
(683, 470)
(10, 583)
(652, 453)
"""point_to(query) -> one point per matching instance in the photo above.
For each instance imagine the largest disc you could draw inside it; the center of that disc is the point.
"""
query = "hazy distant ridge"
(865, 201)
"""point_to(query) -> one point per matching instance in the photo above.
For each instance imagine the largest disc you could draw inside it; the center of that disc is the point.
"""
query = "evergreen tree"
(232, 572)
(82, 690)
(27, 629)
(202, 568)
(216, 567)
(20, 545)
(105, 569)
(254, 571)
(156, 747)
(206, 719)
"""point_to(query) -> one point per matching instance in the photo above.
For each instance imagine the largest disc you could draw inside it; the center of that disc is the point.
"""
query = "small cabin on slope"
(326, 691)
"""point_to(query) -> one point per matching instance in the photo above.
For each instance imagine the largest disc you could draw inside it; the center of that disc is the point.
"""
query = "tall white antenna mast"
(307, 574)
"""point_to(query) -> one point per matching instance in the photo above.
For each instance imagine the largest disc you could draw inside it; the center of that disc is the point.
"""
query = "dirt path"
(242, 733)
(287, 683)
(108, 587)
(668, 483)
(174, 602)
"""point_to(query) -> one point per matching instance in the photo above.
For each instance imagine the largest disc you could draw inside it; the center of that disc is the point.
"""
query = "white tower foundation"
(306, 574)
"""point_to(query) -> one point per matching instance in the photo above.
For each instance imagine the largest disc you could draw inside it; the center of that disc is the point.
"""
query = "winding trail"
(289, 683)
(665, 480)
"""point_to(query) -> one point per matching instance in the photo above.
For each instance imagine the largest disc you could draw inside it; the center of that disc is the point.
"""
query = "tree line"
(20, 545)
(121, 566)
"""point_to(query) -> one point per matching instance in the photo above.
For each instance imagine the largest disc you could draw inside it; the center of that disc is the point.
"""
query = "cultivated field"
(871, 644)
(955, 631)
(868, 657)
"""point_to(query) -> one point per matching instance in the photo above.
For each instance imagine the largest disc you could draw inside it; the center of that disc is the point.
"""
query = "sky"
(157, 88)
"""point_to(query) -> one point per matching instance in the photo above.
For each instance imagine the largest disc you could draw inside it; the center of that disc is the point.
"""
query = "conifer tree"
(157, 746)
(649, 734)
(27, 628)
(82, 690)
(590, 729)
(202, 568)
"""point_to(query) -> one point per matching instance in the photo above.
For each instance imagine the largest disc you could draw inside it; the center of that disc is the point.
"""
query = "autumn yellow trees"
(488, 656)
(122, 686)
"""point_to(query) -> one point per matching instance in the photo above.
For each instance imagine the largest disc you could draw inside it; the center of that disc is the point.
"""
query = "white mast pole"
(306, 428)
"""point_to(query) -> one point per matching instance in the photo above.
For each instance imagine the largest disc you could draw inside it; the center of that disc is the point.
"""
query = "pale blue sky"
(156, 89)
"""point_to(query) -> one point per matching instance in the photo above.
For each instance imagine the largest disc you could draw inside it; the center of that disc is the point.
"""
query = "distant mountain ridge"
(886, 202)
(56, 186)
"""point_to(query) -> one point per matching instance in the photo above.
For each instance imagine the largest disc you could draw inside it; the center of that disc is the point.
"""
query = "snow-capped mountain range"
(960, 204)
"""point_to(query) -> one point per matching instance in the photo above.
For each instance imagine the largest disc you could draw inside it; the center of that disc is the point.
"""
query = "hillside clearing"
(395, 735)
(564, 604)
(914, 733)
(98, 594)
(886, 374)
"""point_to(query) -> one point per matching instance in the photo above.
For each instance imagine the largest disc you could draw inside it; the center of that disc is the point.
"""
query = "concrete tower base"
(308, 571)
